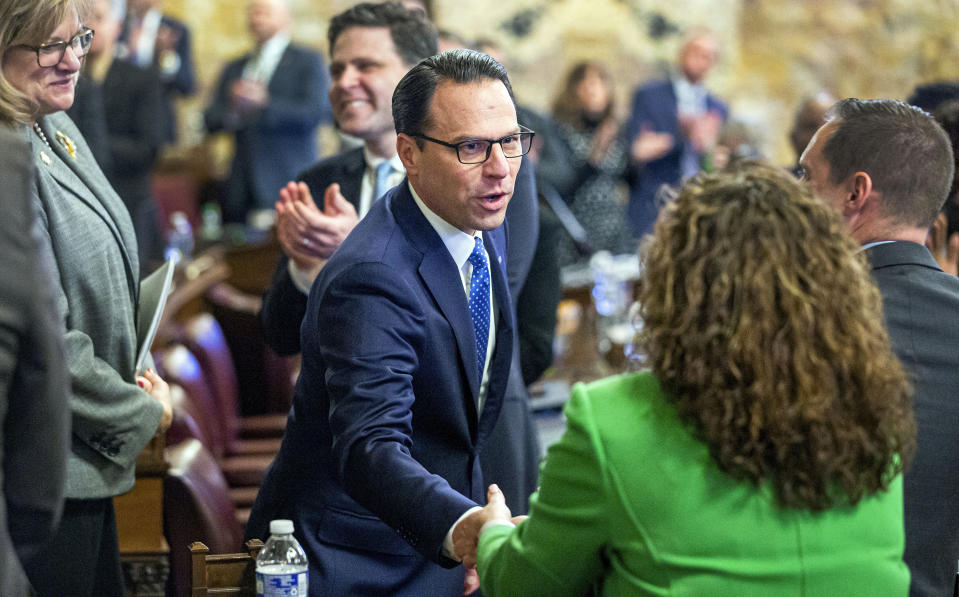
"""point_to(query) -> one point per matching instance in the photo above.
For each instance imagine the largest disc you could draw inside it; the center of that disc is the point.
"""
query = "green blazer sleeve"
(558, 551)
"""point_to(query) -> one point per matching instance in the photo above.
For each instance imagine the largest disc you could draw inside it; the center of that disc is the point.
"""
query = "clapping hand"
(308, 235)
(248, 97)
(650, 145)
(703, 131)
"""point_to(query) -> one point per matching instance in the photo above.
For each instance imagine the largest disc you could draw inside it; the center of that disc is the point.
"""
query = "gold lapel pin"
(68, 144)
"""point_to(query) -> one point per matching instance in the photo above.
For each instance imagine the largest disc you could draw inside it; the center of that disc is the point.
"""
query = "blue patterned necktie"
(479, 302)
(383, 172)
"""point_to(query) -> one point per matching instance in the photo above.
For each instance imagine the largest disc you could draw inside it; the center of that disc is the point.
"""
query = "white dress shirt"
(262, 64)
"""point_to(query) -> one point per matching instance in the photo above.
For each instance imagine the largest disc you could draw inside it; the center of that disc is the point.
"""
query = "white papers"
(154, 290)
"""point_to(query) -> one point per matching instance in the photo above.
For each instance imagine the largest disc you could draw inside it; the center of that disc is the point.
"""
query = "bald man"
(674, 123)
(272, 100)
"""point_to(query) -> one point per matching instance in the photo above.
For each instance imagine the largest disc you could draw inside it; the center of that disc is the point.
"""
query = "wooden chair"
(224, 574)
(196, 506)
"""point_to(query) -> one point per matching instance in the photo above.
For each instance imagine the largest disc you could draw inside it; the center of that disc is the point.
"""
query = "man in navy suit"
(674, 124)
(887, 167)
(272, 100)
(372, 45)
(151, 39)
(407, 345)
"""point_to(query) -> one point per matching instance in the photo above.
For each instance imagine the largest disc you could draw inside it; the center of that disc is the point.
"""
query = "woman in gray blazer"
(92, 249)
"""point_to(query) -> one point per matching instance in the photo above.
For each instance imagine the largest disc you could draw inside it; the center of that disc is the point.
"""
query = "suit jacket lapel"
(68, 173)
(443, 280)
(351, 179)
(277, 80)
(503, 353)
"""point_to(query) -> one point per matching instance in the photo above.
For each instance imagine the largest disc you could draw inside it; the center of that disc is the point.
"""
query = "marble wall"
(774, 51)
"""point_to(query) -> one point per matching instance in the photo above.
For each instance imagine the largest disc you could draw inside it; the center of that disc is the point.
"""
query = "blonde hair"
(761, 321)
(29, 22)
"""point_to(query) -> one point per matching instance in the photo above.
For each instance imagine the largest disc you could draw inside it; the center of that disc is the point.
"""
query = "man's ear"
(860, 192)
(409, 153)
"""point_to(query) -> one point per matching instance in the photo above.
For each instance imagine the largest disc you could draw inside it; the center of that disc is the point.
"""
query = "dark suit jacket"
(131, 104)
(275, 144)
(921, 305)
(512, 460)
(382, 447)
(180, 81)
(34, 417)
(133, 107)
(88, 114)
(654, 105)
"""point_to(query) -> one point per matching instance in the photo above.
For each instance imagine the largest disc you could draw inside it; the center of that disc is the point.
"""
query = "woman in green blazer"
(761, 455)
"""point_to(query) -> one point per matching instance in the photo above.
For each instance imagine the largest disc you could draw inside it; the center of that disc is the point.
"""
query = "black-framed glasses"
(50, 54)
(477, 151)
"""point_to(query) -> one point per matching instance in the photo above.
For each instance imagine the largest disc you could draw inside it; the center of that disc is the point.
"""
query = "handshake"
(467, 532)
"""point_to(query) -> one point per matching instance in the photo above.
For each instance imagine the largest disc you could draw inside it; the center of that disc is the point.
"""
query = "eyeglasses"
(477, 151)
(50, 54)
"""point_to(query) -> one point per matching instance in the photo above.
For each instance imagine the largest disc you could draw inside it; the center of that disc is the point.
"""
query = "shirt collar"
(276, 45)
(875, 243)
(458, 243)
(372, 161)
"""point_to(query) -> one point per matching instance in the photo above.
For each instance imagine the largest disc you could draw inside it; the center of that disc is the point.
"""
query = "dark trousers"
(83, 558)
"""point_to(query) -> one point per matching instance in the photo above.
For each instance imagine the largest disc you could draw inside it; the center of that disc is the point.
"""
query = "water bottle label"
(281, 585)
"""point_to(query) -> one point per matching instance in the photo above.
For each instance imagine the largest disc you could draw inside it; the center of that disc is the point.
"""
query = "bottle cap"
(281, 527)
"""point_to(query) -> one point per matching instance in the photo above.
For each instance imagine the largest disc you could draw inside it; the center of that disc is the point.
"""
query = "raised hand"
(650, 145)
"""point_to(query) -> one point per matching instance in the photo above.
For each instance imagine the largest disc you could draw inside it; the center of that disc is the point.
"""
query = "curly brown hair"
(762, 323)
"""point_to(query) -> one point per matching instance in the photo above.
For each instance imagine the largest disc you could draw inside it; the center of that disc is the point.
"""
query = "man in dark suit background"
(407, 347)
(149, 38)
(272, 100)
(887, 167)
(34, 415)
(132, 97)
(673, 124)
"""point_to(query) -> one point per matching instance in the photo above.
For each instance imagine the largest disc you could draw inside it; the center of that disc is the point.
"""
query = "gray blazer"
(96, 274)
(34, 421)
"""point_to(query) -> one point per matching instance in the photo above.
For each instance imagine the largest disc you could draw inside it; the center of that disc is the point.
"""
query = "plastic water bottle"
(179, 238)
(281, 566)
